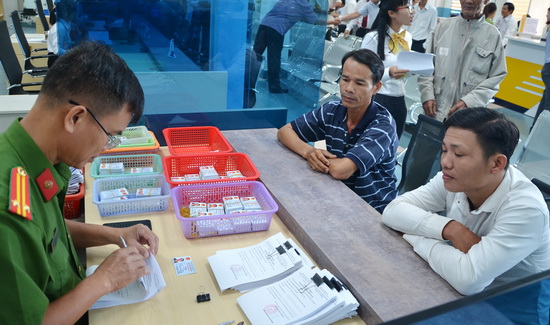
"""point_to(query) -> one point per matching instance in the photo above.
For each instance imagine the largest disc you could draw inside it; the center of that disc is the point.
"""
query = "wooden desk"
(177, 300)
(344, 234)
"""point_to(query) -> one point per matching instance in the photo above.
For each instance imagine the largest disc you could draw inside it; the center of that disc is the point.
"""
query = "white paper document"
(421, 64)
(140, 290)
(258, 265)
(308, 296)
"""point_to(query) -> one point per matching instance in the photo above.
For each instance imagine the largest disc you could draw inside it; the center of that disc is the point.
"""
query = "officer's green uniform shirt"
(35, 269)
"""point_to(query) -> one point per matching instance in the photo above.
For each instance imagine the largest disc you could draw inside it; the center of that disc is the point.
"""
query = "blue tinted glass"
(525, 301)
(197, 56)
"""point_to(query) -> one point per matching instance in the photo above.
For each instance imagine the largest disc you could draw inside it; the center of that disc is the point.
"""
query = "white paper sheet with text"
(140, 290)
(421, 64)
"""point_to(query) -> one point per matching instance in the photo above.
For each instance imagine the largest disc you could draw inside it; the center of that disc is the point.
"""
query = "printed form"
(140, 290)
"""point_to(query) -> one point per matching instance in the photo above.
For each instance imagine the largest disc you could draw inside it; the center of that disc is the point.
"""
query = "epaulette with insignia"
(20, 193)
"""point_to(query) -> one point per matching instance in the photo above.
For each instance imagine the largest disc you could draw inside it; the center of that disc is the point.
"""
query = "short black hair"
(510, 5)
(93, 75)
(489, 9)
(494, 131)
(368, 58)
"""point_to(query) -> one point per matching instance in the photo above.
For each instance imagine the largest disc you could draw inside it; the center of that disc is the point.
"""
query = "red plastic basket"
(179, 166)
(190, 140)
(73, 204)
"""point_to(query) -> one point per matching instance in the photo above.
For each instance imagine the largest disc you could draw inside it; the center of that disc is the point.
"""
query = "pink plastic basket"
(224, 224)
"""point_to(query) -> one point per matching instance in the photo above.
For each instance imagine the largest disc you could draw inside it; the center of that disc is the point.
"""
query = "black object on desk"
(125, 224)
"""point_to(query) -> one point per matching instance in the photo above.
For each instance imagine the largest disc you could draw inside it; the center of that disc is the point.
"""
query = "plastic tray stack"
(225, 224)
(179, 166)
(135, 134)
(129, 161)
(135, 205)
(192, 140)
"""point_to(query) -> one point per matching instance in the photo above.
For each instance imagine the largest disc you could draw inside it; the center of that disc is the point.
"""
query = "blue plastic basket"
(132, 205)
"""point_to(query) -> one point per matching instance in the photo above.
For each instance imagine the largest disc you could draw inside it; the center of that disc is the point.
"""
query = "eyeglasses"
(410, 8)
(113, 141)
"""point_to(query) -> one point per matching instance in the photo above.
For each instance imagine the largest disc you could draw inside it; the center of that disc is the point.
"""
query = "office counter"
(343, 234)
(523, 85)
(176, 303)
(14, 106)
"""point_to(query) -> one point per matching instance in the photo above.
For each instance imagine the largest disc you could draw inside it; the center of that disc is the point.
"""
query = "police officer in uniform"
(88, 95)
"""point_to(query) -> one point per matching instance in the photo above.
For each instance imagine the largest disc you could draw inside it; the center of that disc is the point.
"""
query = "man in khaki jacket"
(469, 63)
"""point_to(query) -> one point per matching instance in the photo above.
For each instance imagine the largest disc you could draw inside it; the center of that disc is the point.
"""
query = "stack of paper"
(309, 296)
(76, 179)
(255, 266)
(140, 290)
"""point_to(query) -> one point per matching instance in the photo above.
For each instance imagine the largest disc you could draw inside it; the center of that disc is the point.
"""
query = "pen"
(123, 241)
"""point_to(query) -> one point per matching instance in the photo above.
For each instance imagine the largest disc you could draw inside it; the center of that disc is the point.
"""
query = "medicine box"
(208, 172)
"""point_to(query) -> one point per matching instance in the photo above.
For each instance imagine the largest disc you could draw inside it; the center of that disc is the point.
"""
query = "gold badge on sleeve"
(20, 193)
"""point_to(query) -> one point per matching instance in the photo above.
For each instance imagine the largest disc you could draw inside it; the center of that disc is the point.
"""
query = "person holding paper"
(469, 63)
(88, 94)
(495, 228)
(388, 40)
(360, 134)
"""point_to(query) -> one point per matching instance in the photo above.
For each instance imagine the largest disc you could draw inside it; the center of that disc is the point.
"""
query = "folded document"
(140, 290)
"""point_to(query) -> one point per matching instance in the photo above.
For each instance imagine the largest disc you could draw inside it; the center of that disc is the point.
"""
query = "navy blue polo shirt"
(371, 146)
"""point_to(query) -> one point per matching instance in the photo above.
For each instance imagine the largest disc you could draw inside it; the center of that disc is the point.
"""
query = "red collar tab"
(47, 184)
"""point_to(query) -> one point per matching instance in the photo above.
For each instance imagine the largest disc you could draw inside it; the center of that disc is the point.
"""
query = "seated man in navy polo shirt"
(360, 135)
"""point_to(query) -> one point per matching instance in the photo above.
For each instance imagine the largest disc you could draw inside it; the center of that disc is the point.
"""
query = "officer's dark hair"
(494, 131)
(370, 59)
(92, 75)
(510, 5)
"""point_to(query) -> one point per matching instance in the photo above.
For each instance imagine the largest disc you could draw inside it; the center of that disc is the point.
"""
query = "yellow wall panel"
(523, 85)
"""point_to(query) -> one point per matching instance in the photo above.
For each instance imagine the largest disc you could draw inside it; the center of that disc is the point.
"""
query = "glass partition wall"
(195, 57)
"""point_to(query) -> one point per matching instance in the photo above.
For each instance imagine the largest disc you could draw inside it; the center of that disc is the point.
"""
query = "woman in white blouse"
(388, 39)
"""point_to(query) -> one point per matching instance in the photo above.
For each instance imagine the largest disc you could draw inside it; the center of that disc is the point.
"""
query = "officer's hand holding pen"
(121, 268)
(140, 235)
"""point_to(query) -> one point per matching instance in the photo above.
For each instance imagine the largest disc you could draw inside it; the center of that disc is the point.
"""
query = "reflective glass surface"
(196, 56)
(525, 301)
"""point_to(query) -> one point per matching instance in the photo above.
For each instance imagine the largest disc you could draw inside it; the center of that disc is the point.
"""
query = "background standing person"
(423, 25)
(87, 95)
(347, 8)
(545, 72)
(271, 35)
(489, 11)
(388, 40)
(507, 24)
(469, 63)
(367, 10)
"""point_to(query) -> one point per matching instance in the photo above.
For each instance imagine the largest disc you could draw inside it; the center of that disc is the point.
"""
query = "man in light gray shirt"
(423, 25)
(507, 24)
